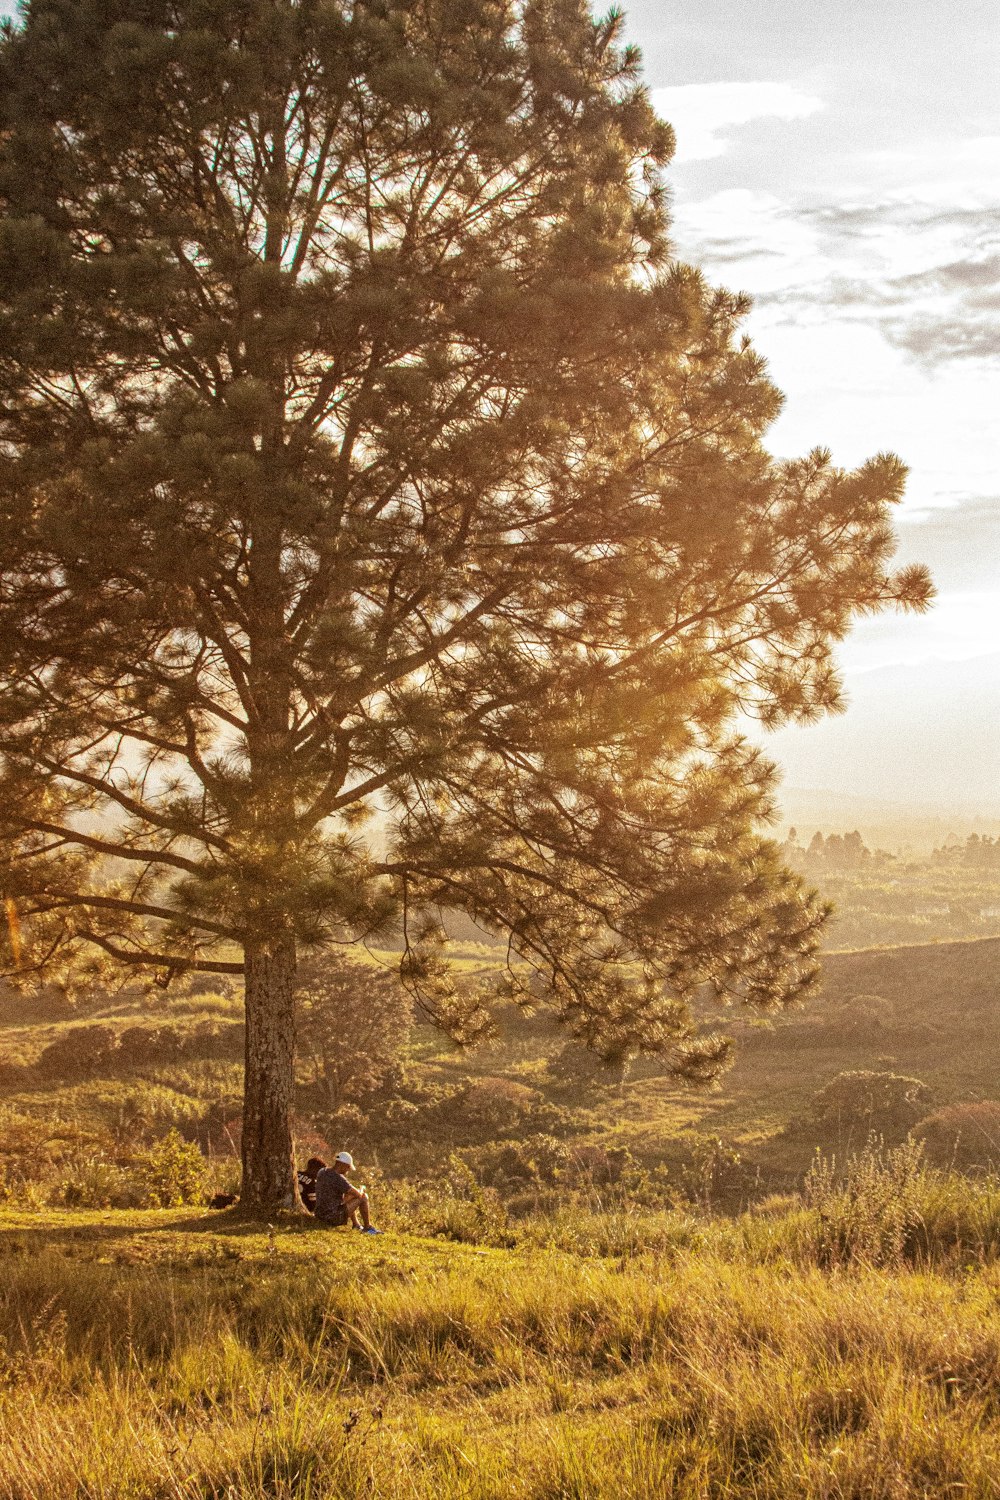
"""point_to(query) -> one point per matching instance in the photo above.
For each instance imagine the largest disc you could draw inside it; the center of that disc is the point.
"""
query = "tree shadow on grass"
(49, 1234)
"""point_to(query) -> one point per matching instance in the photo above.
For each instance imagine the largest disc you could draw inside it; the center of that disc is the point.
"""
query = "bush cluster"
(888, 1207)
(869, 1100)
(167, 1174)
(89, 1051)
(427, 1121)
(79, 1168)
(963, 1136)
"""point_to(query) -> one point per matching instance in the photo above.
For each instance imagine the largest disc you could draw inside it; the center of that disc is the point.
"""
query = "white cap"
(345, 1158)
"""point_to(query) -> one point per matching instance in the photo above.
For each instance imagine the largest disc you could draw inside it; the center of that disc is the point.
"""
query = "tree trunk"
(269, 1181)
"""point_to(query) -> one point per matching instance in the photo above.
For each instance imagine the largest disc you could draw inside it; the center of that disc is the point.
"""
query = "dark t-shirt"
(307, 1191)
(331, 1186)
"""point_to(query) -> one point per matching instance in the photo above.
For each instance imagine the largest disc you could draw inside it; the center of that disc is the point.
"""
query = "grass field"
(178, 1354)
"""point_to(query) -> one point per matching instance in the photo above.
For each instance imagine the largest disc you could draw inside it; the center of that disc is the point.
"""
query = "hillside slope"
(917, 978)
(928, 1012)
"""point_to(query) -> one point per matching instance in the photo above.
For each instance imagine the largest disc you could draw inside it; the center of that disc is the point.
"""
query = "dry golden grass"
(171, 1355)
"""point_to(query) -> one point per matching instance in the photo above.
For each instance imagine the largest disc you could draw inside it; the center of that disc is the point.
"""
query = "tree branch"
(167, 961)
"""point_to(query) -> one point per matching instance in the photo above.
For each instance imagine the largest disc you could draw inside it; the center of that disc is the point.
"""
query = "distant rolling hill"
(938, 1022)
(946, 984)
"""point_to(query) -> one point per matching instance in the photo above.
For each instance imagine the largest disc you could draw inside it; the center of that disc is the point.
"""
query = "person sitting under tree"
(307, 1182)
(337, 1202)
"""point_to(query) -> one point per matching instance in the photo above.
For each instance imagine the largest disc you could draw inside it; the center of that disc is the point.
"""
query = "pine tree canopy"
(386, 526)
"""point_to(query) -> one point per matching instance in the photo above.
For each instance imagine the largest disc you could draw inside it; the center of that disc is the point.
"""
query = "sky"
(842, 164)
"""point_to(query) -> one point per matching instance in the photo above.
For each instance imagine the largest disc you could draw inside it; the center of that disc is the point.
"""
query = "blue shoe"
(372, 1230)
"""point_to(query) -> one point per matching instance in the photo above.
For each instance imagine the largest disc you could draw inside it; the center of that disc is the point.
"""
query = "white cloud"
(701, 112)
(851, 390)
(878, 317)
(751, 239)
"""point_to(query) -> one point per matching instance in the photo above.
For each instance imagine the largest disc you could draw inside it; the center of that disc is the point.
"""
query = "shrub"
(492, 1106)
(868, 1101)
(861, 1015)
(168, 1174)
(714, 1173)
(401, 1114)
(28, 1153)
(533, 1161)
(456, 1206)
(964, 1136)
(870, 1211)
(599, 1166)
(173, 1171)
(135, 1110)
(348, 1123)
(142, 1045)
(13, 1075)
(96, 1180)
(78, 1053)
(886, 1207)
(216, 1039)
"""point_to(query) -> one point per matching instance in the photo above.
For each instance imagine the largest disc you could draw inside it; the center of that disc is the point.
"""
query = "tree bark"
(269, 1181)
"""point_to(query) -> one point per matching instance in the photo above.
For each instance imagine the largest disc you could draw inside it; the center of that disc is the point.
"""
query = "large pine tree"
(386, 525)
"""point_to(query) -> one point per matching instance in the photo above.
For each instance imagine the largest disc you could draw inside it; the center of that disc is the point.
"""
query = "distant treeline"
(847, 851)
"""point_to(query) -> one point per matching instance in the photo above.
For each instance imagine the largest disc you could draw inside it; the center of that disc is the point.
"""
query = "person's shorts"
(335, 1220)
